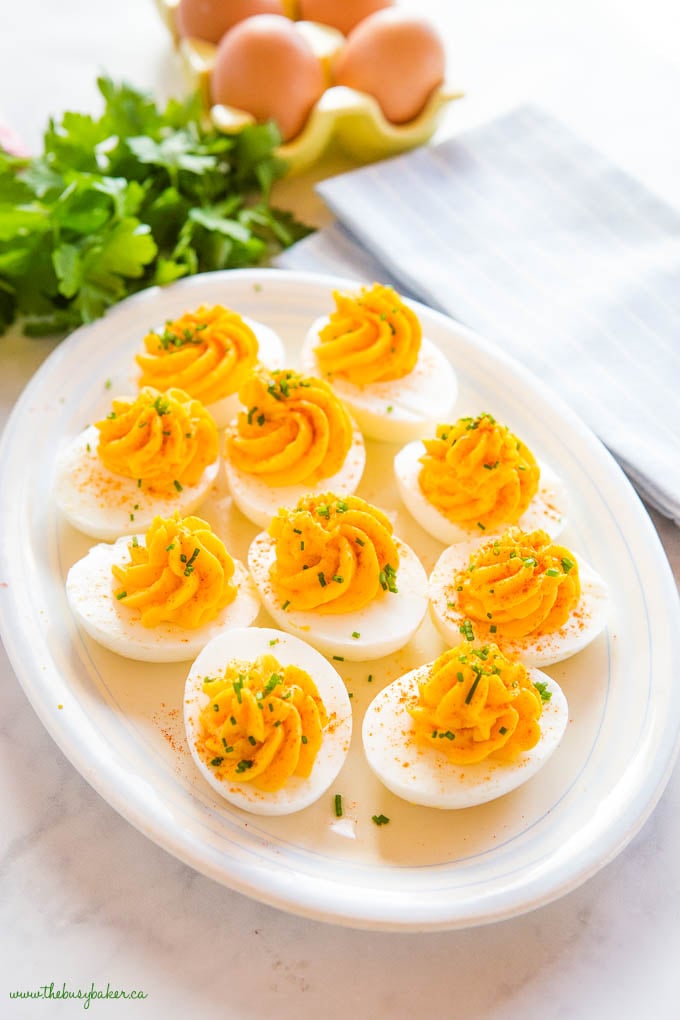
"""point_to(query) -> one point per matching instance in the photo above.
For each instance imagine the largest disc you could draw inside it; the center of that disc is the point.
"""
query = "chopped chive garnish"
(274, 679)
(339, 658)
(303, 738)
(503, 730)
(380, 819)
(466, 630)
(356, 634)
(360, 541)
(470, 694)
(493, 628)
(482, 526)
(286, 604)
(135, 542)
(338, 578)
(322, 580)
(121, 595)
(370, 678)
(567, 565)
(244, 765)
(542, 689)
(261, 420)
(552, 573)
(216, 761)
(338, 805)
(189, 569)
(252, 740)
(178, 485)
(251, 412)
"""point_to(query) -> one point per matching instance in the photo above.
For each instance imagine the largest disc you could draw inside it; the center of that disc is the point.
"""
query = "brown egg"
(266, 67)
(341, 14)
(396, 57)
(210, 19)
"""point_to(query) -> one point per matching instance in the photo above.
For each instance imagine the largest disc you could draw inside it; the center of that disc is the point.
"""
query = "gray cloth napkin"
(529, 236)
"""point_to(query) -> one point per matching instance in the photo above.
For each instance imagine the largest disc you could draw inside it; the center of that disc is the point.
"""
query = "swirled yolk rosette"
(207, 353)
(519, 585)
(263, 723)
(478, 473)
(182, 574)
(333, 555)
(475, 704)
(162, 439)
(465, 729)
(294, 429)
(372, 336)
(331, 570)
(395, 381)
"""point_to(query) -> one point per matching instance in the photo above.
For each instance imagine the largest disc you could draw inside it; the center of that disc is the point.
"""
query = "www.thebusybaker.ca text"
(51, 992)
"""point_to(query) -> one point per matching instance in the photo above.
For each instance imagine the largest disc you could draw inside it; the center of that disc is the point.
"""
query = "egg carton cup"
(346, 116)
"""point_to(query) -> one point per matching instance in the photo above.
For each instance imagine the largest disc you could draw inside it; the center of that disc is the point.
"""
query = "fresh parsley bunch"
(139, 196)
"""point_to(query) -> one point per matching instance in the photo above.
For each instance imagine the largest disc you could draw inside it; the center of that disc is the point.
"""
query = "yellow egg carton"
(343, 115)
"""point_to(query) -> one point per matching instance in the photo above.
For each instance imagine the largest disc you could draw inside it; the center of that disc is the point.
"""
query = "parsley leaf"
(138, 196)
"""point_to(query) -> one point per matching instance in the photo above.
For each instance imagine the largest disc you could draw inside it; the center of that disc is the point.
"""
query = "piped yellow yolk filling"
(182, 574)
(294, 430)
(163, 439)
(477, 473)
(207, 353)
(372, 336)
(477, 704)
(263, 723)
(518, 586)
(333, 554)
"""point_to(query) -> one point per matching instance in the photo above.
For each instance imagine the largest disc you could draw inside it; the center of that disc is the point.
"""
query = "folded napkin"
(527, 235)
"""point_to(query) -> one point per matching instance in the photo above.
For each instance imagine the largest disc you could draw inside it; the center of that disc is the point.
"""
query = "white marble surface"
(86, 898)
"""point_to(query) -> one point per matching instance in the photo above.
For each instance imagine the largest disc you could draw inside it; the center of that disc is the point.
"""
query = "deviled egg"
(332, 571)
(152, 455)
(160, 597)
(268, 720)
(465, 729)
(396, 383)
(537, 600)
(476, 476)
(208, 353)
(293, 437)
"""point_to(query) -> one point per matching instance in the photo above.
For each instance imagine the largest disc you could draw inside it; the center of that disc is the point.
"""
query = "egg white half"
(105, 505)
(421, 775)
(547, 509)
(248, 644)
(383, 626)
(259, 502)
(399, 410)
(587, 620)
(271, 354)
(90, 587)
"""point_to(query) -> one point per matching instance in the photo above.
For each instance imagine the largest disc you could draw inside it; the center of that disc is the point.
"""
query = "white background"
(84, 897)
